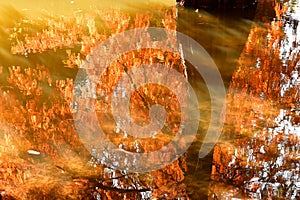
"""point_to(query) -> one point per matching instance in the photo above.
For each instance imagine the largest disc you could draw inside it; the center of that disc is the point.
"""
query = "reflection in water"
(41, 154)
(43, 157)
(259, 152)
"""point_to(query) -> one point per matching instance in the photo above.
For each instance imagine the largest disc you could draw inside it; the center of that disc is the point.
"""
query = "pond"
(62, 84)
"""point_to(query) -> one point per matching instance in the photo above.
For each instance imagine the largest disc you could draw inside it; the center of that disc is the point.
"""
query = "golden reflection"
(142, 99)
(41, 155)
(258, 152)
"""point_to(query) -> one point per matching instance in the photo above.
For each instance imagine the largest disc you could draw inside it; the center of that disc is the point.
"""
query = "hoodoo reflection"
(259, 152)
(41, 153)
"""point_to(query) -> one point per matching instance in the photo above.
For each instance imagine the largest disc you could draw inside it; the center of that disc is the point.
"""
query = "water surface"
(42, 47)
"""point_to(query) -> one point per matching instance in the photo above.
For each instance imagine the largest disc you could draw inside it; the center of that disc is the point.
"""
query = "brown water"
(256, 50)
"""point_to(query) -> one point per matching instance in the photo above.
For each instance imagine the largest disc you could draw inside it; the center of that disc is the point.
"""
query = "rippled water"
(255, 49)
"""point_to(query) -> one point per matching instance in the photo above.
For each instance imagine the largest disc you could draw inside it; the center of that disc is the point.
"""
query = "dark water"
(258, 153)
(41, 154)
(223, 34)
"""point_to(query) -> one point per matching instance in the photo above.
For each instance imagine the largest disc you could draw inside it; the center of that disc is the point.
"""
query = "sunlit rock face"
(258, 153)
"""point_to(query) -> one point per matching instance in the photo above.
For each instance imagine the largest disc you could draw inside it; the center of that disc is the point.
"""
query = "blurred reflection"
(41, 153)
(259, 152)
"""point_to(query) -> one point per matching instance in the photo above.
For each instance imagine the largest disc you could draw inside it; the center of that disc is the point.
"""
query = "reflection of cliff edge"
(259, 148)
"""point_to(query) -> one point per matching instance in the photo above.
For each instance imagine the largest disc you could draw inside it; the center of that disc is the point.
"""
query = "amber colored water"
(42, 46)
